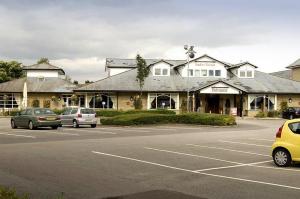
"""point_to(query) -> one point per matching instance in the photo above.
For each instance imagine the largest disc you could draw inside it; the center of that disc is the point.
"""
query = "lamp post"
(190, 55)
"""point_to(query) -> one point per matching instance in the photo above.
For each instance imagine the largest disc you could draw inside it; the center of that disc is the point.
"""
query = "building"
(44, 85)
(215, 87)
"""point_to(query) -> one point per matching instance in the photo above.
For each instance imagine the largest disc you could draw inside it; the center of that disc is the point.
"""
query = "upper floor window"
(191, 72)
(211, 73)
(204, 73)
(246, 73)
(161, 72)
(217, 73)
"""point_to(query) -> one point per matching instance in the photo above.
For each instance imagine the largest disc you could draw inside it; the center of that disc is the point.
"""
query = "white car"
(79, 116)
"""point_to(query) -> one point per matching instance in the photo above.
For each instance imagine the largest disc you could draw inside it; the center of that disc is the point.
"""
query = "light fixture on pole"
(190, 55)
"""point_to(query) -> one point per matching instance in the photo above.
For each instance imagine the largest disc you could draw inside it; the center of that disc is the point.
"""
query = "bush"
(138, 103)
(260, 114)
(154, 118)
(273, 114)
(58, 111)
(7, 193)
(112, 113)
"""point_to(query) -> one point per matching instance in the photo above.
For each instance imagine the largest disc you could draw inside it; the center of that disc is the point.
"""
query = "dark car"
(291, 113)
(33, 118)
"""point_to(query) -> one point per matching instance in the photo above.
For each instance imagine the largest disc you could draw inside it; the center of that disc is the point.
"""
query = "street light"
(190, 55)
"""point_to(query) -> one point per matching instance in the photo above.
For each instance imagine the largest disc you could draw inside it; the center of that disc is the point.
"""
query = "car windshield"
(87, 111)
(43, 112)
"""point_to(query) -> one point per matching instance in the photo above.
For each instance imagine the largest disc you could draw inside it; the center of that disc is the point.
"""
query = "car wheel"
(282, 158)
(75, 124)
(93, 125)
(13, 124)
(291, 117)
(54, 127)
(30, 125)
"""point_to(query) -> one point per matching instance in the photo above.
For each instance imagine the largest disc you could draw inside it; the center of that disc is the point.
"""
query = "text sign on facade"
(219, 89)
(205, 64)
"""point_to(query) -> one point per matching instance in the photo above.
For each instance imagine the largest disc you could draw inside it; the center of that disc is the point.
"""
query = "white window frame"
(175, 97)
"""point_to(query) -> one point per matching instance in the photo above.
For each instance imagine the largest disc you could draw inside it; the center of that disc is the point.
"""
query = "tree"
(43, 60)
(142, 71)
(142, 74)
(75, 82)
(10, 70)
(88, 81)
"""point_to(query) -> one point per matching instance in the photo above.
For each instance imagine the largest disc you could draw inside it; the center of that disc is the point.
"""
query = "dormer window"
(161, 72)
(246, 73)
(211, 73)
(217, 73)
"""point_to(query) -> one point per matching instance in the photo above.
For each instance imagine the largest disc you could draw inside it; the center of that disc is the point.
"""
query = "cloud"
(79, 35)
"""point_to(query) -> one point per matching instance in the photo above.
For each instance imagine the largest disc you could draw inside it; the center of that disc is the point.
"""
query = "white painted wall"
(204, 63)
(220, 88)
(42, 73)
(115, 71)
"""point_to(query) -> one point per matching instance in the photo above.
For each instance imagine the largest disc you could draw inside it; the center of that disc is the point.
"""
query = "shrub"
(58, 111)
(112, 113)
(283, 106)
(273, 114)
(154, 118)
(260, 114)
(7, 193)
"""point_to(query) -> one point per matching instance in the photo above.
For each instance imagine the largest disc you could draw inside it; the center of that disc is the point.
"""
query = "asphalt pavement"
(167, 161)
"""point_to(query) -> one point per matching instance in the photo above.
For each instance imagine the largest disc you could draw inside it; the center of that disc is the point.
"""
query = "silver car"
(79, 116)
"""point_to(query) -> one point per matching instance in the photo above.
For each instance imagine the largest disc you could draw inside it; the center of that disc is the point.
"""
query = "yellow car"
(286, 148)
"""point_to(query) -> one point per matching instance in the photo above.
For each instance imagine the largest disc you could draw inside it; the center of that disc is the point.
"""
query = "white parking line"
(197, 172)
(125, 129)
(90, 131)
(225, 149)
(261, 139)
(243, 143)
(239, 165)
(17, 135)
(48, 131)
(192, 155)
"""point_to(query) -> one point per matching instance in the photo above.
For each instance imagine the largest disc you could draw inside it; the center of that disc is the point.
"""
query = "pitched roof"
(38, 85)
(287, 74)
(241, 64)
(295, 64)
(43, 66)
(126, 81)
(131, 63)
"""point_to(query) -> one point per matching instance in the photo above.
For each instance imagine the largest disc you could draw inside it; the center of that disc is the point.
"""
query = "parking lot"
(177, 161)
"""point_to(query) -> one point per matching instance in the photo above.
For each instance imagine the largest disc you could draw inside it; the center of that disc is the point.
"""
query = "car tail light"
(41, 118)
(79, 115)
(279, 132)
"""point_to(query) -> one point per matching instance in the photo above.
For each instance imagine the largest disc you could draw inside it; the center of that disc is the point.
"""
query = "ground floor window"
(256, 102)
(163, 100)
(103, 101)
(8, 101)
(74, 100)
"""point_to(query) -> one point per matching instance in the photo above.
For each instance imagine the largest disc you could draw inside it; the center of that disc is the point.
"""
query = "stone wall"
(43, 97)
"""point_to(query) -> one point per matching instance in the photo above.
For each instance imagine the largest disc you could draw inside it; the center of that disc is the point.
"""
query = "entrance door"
(212, 103)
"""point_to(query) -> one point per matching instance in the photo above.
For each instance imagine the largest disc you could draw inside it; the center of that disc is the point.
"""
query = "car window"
(297, 109)
(23, 112)
(28, 112)
(295, 127)
(87, 111)
(43, 112)
(74, 111)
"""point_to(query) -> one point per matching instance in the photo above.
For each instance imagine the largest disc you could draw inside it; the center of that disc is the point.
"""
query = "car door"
(294, 139)
(27, 117)
(18, 119)
(64, 116)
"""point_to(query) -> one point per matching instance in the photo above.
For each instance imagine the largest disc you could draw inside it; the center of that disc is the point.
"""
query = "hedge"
(112, 113)
(154, 118)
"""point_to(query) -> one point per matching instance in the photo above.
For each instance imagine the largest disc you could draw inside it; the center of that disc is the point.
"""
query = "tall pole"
(188, 78)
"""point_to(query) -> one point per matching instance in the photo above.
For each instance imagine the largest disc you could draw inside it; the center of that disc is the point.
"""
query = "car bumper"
(86, 122)
(48, 123)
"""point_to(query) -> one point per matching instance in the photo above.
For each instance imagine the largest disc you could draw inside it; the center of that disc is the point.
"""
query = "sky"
(79, 35)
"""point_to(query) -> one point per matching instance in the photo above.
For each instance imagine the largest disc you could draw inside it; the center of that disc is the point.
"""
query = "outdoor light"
(103, 103)
(163, 104)
(290, 100)
(190, 55)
